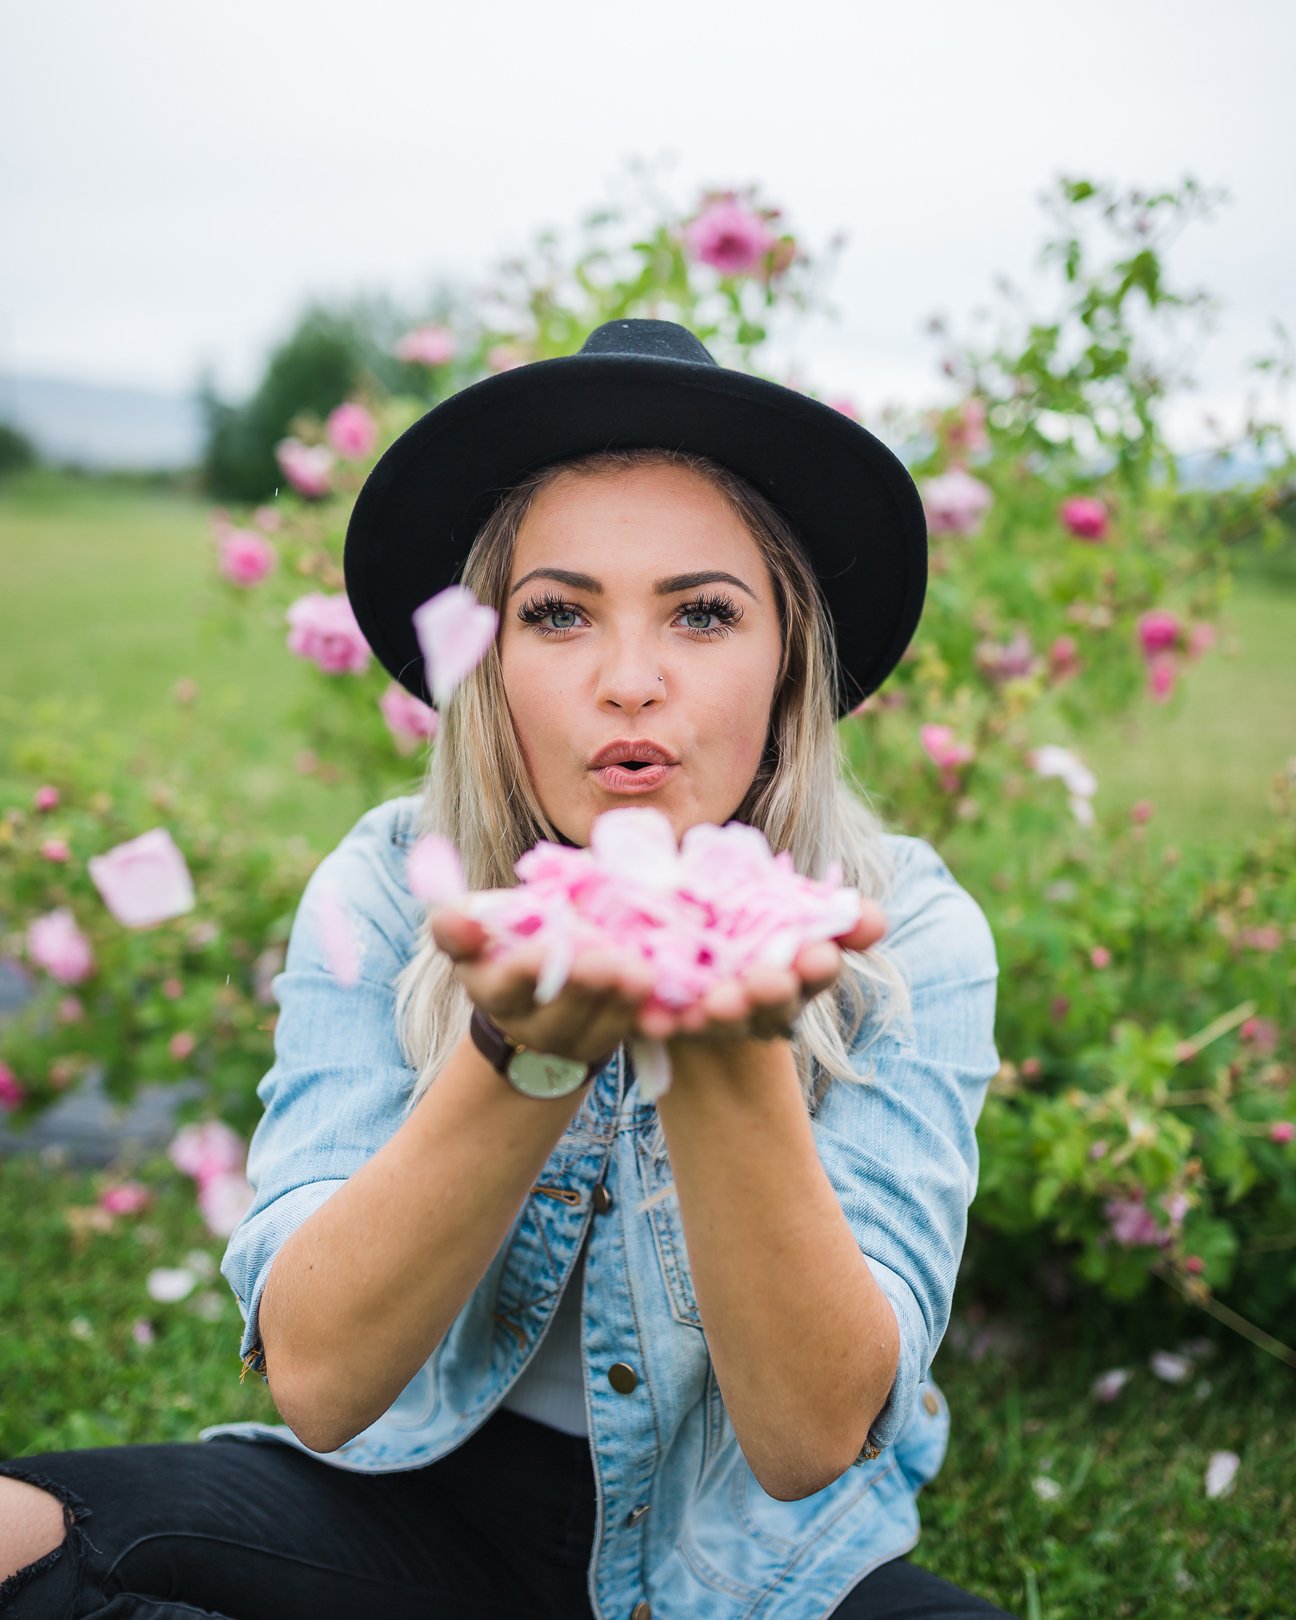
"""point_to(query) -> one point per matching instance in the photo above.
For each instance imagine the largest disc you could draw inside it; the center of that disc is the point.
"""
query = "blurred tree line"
(333, 352)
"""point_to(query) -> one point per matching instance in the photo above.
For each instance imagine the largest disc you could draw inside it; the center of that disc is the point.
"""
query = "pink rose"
(1194, 1263)
(1064, 658)
(1282, 1131)
(55, 943)
(955, 502)
(11, 1093)
(407, 718)
(1267, 938)
(1141, 811)
(948, 755)
(1133, 1224)
(127, 1198)
(172, 989)
(1201, 638)
(1085, 516)
(145, 880)
(267, 519)
(1261, 1033)
(846, 406)
(729, 237)
(206, 1150)
(181, 1045)
(351, 431)
(46, 798)
(967, 433)
(246, 557)
(1158, 632)
(426, 346)
(324, 629)
(224, 1200)
(1007, 661)
(505, 357)
(1100, 957)
(306, 466)
(1161, 675)
(55, 849)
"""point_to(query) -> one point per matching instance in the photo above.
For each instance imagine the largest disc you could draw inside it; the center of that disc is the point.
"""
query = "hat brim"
(850, 499)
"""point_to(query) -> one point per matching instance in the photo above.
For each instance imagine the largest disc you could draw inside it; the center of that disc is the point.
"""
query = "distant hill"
(100, 425)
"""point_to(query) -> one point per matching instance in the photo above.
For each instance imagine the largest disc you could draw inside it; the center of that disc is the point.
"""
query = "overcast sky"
(176, 179)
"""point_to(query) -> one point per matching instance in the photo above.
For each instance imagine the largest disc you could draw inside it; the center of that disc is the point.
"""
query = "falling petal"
(1109, 1385)
(337, 938)
(1172, 1368)
(145, 880)
(170, 1283)
(651, 1066)
(558, 959)
(454, 633)
(1220, 1471)
(433, 870)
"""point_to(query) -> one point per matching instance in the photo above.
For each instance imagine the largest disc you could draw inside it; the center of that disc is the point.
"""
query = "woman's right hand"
(591, 1015)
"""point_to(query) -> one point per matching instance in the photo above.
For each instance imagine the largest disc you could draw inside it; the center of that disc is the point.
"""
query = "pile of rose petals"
(699, 912)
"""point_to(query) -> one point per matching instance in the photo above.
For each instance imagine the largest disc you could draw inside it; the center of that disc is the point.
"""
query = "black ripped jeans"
(252, 1530)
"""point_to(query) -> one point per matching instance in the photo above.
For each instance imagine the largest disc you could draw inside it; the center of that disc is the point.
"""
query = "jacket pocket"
(668, 1236)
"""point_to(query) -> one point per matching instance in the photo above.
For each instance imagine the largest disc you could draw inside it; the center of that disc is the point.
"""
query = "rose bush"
(1141, 1128)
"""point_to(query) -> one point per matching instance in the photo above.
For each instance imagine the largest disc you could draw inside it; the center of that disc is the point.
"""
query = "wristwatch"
(534, 1074)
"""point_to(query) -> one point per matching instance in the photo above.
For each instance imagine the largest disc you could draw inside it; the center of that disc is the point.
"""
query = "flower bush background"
(1140, 1133)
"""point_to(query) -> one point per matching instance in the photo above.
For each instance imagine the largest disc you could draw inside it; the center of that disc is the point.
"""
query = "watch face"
(538, 1074)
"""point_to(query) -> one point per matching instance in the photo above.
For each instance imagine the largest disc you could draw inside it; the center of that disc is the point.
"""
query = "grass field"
(1053, 1505)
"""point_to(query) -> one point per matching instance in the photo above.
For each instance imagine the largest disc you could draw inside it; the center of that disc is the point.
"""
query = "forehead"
(656, 512)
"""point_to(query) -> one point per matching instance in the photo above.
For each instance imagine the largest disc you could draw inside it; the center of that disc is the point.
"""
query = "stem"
(1230, 1318)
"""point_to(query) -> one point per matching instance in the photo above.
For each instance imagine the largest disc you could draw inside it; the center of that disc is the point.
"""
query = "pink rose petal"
(145, 880)
(455, 632)
(337, 937)
(433, 871)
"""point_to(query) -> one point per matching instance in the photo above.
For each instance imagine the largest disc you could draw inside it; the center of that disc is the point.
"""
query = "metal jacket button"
(641, 1611)
(635, 1514)
(601, 1199)
(931, 1403)
(622, 1377)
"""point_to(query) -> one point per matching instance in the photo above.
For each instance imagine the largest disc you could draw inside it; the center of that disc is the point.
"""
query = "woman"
(536, 1340)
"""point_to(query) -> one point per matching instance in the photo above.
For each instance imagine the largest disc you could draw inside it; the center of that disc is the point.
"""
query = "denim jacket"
(900, 1153)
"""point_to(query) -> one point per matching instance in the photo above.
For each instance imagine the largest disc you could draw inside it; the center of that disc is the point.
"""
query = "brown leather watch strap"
(495, 1045)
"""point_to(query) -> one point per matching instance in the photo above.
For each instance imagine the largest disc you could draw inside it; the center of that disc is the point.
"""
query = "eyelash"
(724, 609)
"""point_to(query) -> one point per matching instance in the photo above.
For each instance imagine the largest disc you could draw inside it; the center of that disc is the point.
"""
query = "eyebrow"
(661, 587)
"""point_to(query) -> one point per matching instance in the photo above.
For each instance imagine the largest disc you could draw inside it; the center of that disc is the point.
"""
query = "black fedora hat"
(638, 383)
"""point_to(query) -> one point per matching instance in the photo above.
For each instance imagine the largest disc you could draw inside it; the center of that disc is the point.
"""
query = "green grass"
(1207, 759)
(1131, 1534)
(108, 591)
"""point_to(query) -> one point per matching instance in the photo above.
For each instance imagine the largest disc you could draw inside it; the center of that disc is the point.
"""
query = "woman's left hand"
(764, 1002)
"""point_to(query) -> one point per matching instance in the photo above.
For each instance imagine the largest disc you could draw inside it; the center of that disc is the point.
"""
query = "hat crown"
(653, 340)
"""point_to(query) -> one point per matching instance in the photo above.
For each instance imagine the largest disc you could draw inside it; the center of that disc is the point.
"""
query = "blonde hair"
(477, 792)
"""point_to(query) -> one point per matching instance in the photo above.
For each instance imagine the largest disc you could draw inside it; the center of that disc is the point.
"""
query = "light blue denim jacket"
(900, 1153)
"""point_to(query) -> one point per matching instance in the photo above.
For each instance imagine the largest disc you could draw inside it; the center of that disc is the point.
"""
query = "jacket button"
(931, 1403)
(622, 1377)
(641, 1611)
(601, 1199)
(635, 1514)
